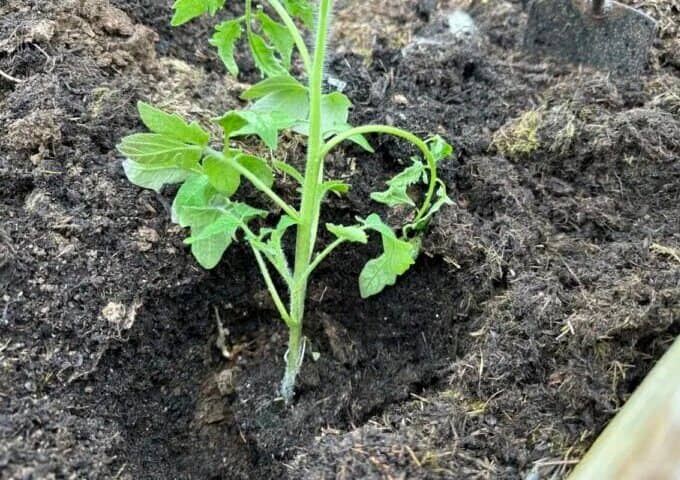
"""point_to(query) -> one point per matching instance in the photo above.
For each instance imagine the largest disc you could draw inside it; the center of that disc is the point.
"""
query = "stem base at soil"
(293, 363)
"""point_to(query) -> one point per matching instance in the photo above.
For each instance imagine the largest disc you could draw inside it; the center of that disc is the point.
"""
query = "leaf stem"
(257, 183)
(271, 287)
(249, 16)
(323, 254)
(295, 33)
(396, 132)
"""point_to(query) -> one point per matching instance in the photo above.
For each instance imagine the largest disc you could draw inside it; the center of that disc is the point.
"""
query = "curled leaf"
(225, 38)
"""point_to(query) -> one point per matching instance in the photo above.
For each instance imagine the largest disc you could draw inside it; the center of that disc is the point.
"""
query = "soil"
(543, 297)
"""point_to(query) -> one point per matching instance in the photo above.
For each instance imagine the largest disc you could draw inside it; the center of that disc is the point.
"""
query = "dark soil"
(543, 297)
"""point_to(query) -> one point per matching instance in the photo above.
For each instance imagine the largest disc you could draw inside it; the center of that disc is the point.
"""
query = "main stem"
(310, 209)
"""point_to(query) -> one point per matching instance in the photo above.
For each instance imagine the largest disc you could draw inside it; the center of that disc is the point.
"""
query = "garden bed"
(543, 297)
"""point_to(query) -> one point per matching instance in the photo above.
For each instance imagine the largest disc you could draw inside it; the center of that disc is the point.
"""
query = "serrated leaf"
(281, 83)
(225, 38)
(289, 170)
(302, 9)
(222, 176)
(439, 148)
(208, 251)
(393, 197)
(223, 225)
(374, 277)
(153, 176)
(213, 229)
(334, 111)
(398, 256)
(195, 193)
(287, 101)
(351, 233)
(231, 122)
(263, 124)
(279, 36)
(397, 193)
(257, 167)
(155, 148)
(374, 222)
(334, 114)
(264, 57)
(172, 125)
(228, 220)
(272, 248)
(186, 10)
(265, 119)
(335, 186)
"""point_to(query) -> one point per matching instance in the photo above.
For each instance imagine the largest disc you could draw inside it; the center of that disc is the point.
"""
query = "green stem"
(249, 16)
(271, 287)
(322, 255)
(257, 183)
(397, 132)
(311, 205)
(293, 362)
(294, 32)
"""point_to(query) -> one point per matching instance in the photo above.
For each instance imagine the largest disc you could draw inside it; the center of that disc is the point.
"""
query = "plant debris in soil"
(544, 296)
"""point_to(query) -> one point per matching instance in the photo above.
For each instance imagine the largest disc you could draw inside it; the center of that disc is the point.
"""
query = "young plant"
(177, 152)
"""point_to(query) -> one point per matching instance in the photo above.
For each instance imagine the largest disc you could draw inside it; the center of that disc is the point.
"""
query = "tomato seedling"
(178, 152)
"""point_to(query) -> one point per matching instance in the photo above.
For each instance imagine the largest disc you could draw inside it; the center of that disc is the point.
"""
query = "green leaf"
(398, 256)
(209, 242)
(264, 57)
(334, 114)
(335, 186)
(272, 248)
(351, 234)
(441, 199)
(186, 10)
(279, 36)
(212, 219)
(374, 222)
(153, 176)
(246, 122)
(260, 120)
(222, 176)
(285, 100)
(156, 148)
(301, 9)
(279, 84)
(439, 148)
(397, 194)
(334, 111)
(289, 170)
(257, 167)
(228, 220)
(191, 200)
(172, 125)
(231, 122)
(225, 37)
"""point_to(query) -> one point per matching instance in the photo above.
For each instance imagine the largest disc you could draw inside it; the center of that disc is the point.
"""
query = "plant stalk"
(293, 361)
(311, 205)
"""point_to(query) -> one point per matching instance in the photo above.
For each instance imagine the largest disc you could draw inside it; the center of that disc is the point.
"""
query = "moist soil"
(542, 298)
